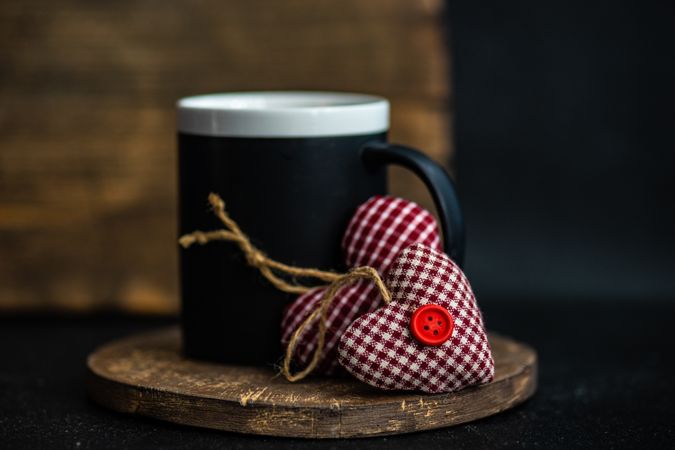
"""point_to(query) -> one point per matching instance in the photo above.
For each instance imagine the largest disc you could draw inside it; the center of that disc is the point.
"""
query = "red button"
(431, 324)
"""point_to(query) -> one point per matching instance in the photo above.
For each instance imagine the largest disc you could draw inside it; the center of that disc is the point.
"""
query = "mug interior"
(283, 114)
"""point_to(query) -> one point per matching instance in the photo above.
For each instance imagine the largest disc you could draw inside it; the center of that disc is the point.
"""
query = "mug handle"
(438, 182)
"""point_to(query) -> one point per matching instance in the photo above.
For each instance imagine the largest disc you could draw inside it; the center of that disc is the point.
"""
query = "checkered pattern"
(379, 349)
(379, 230)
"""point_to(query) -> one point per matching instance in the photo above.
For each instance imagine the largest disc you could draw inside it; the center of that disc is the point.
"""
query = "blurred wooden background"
(87, 151)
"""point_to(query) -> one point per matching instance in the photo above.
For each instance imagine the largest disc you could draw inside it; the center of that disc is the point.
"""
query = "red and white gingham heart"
(379, 230)
(379, 349)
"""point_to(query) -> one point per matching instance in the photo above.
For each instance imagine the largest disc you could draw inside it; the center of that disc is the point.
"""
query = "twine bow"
(272, 270)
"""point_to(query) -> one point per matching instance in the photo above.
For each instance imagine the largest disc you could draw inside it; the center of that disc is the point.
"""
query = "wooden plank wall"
(87, 151)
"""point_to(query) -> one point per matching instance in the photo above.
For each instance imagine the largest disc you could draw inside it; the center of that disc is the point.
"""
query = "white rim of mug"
(283, 114)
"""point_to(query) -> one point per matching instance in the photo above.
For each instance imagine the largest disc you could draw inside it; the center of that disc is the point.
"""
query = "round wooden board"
(147, 375)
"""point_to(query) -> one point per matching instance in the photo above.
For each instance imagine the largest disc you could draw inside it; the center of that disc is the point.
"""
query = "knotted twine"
(272, 270)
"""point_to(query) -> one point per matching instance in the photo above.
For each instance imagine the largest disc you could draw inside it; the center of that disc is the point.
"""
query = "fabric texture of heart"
(378, 231)
(379, 349)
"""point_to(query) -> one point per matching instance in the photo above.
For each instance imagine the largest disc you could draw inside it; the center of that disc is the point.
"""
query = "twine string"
(269, 267)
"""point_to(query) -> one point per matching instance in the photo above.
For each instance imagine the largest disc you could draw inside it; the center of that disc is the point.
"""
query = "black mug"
(292, 167)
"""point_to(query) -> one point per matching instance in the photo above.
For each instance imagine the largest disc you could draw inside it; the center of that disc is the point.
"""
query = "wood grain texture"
(87, 147)
(146, 375)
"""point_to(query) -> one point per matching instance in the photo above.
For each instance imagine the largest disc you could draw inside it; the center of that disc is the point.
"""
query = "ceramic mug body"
(292, 168)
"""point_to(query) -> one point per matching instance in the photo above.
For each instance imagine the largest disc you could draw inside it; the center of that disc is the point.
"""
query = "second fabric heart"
(379, 348)
(378, 231)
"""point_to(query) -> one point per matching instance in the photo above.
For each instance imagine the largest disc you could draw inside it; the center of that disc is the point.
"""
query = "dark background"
(564, 115)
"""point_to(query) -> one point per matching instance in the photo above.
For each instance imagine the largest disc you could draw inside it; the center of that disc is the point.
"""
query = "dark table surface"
(605, 382)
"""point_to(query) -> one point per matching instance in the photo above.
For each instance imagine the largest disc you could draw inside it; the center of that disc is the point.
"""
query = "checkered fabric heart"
(379, 349)
(379, 230)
